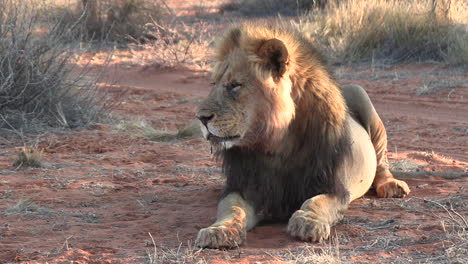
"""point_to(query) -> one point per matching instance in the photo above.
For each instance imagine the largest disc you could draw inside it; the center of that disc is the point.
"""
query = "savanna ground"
(124, 191)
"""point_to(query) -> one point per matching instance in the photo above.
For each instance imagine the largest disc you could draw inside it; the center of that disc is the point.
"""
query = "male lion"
(292, 141)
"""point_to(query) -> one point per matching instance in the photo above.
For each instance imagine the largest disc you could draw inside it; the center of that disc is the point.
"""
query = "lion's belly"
(362, 164)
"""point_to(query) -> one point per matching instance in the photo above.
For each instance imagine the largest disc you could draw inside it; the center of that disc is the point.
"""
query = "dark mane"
(278, 184)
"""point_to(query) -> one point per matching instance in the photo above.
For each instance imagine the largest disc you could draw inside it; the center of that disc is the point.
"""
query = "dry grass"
(172, 256)
(394, 31)
(455, 225)
(328, 254)
(191, 130)
(28, 157)
(120, 21)
(142, 128)
(39, 87)
(30, 210)
(270, 7)
(176, 44)
(450, 213)
(437, 84)
(23, 207)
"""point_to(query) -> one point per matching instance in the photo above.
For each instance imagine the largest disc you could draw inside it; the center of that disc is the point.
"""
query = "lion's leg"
(235, 217)
(313, 221)
(362, 109)
(384, 183)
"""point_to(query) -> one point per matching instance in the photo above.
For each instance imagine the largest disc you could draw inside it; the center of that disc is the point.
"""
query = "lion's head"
(260, 81)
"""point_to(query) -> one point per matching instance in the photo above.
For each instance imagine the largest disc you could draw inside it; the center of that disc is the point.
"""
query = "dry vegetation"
(39, 83)
(28, 157)
(175, 43)
(271, 7)
(121, 20)
(392, 31)
(142, 128)
(39, 87)
(329, 254)
(118, 21)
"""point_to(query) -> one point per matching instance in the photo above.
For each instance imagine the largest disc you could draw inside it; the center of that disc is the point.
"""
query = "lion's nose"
(204, 118)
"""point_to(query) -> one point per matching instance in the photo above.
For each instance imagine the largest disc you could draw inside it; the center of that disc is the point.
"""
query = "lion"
(293, 143)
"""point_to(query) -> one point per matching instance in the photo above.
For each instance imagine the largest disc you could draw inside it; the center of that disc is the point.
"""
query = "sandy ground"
(105, 189)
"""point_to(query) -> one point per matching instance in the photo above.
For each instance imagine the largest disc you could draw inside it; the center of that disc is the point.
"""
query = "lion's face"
(229, 110)
(250, 103)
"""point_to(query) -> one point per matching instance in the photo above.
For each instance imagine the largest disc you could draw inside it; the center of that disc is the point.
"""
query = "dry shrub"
(28, 157)
(391, 30)
(176, 44)
(39, 87)
(271, 7)
(118, 20)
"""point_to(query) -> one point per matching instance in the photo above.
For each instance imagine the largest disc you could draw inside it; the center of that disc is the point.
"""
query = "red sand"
(106, 189)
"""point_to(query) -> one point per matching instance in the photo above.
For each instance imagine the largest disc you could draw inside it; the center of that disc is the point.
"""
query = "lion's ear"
(275, 54)
(228, 42)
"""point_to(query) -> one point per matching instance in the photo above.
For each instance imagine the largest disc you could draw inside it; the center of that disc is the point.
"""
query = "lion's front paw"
(393, 188)
(306, 227)
(220, 237)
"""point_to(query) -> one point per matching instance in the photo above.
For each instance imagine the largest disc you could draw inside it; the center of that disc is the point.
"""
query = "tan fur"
(237, 56)
(302, 67)
(267, 78)
(235, 217)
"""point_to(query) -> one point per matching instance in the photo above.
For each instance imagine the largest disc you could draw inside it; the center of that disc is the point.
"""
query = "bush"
(390, 30)
(28, 157)
(176, 44)
(117, 20)
(271, 7)
(39, 87)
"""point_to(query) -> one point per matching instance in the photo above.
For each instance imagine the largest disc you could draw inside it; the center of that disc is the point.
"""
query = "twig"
(20, 134)
(155, 254)
(463, 224)
(273, 256)
(460, 216)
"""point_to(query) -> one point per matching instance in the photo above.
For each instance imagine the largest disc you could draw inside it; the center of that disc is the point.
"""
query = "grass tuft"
(191, 130)
(172, 256)
(310, 255)
(23, 207)
(30, 210)
(28, 157)
(143, 128)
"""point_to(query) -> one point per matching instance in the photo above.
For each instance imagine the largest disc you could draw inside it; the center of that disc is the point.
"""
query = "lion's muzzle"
(205, 118)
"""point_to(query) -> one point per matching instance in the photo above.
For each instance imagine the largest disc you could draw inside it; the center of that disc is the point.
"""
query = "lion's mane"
(303, 159)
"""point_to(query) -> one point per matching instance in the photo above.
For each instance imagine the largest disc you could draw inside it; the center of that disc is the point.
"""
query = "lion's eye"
(233, 86)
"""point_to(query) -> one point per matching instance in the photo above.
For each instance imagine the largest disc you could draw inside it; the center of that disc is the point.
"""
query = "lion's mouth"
(216, 139)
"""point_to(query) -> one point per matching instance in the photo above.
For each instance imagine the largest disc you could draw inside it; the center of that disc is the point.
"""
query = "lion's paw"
(393, 188)
(220, 237)
(306, 227)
